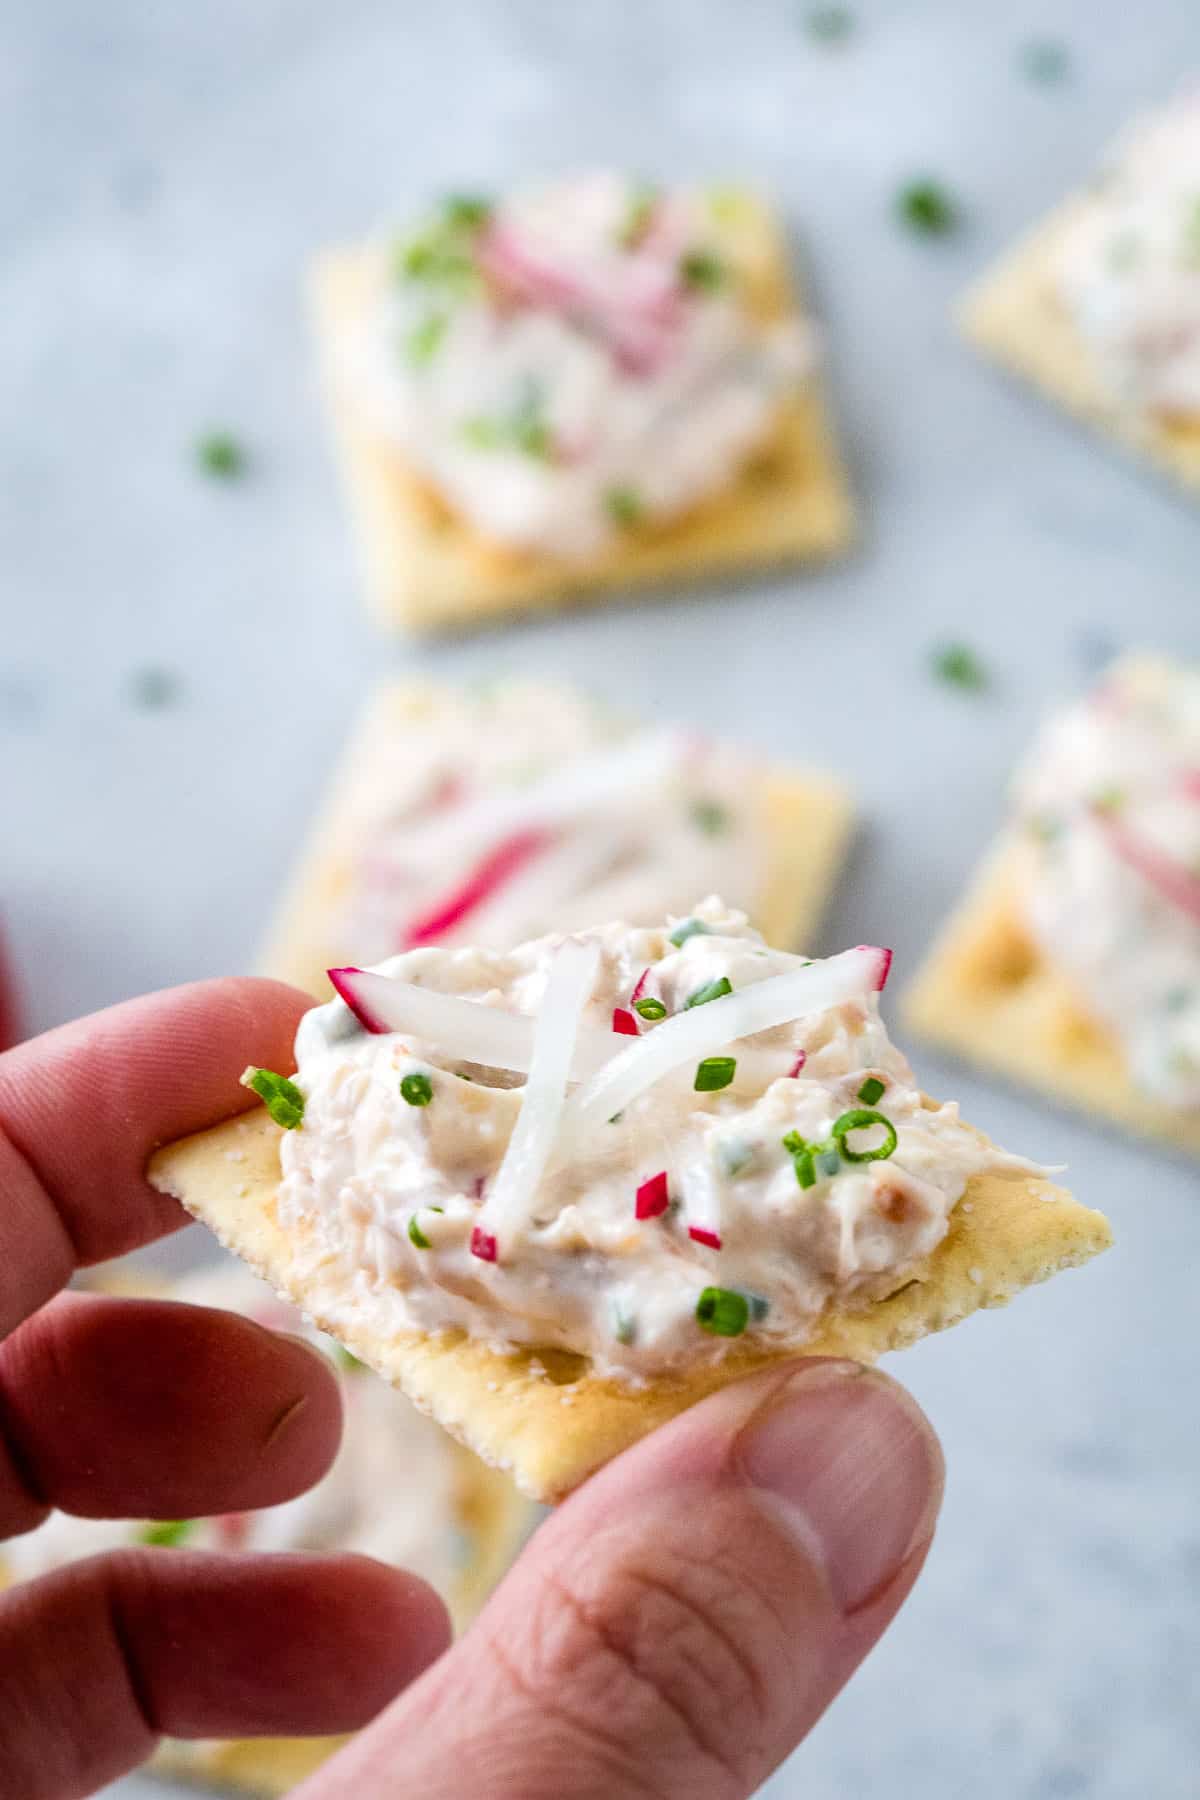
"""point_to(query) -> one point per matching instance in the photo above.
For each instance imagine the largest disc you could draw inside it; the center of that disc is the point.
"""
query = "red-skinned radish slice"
(568, 989)
(624, 1023)
(483, 1245)
(799, 1063)
(700, 1234)
(491, 874)
(688, 1037)
(465, 1029)
(640, 986)
(653, 1197)
(1173, 880)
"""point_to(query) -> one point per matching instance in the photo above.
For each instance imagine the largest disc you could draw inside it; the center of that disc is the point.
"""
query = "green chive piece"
(219, 454)
(858, 1120)
(624, 507)
(281, 1097)
(623, 1323)
(710, 817)
(1044, 60)
(759, 1306)
(650, 1008)
(687, 928)
(1109, 799)
(958, 666)
(482, 433)
(702, 270)
(805, 1168)
(712, 990)
(722, 1311)
(827, 1161)
(153, 688)
(1045, 828)
(347, 1360)
(417, 1089)
(466, 212)
(735, 1156)
(926, 207)
(830, 24)
(166, 1534)
(424, 340)
(714, 1073)
(871, 1090)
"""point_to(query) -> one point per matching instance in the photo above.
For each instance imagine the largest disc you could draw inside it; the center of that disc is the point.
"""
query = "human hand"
(134, 1408)
(682, 1621)
(677, 1626)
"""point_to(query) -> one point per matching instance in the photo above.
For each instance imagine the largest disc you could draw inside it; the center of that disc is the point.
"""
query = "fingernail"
(854, 1469)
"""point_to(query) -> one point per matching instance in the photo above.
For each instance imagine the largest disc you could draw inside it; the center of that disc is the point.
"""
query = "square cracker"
(428, 569)
(987, 993)
(808, 820)
(1014, 316)
(543, 1415)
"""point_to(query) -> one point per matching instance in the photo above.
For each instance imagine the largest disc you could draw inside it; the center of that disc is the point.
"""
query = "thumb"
(684, 1619)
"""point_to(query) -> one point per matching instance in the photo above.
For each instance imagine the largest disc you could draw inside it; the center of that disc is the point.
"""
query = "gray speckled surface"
(168, 171)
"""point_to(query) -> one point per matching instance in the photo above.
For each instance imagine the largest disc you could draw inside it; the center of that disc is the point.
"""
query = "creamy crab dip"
(713, 1139)
(506, 812)
(566, 361)
(391, 1493)
(1109, 806)
(1128, 269)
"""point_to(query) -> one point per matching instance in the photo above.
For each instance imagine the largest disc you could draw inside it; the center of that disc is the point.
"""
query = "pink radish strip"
(640, 987)
(624, 1022)
(700, 1235)
(1171, 879)
(798, 1065)
(491, 874)
(1189, 781)
(483, 1245)
(348, 988)
(884, 968)
(653, 1197)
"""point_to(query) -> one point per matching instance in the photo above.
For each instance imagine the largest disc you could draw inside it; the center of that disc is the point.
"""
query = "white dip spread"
(391, 1493)
(1110, 809)
(715, 1139)
(565, 362)
(1128, 269)
(525, 808)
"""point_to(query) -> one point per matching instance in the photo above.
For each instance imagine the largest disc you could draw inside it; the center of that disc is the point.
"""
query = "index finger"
(82, 1108)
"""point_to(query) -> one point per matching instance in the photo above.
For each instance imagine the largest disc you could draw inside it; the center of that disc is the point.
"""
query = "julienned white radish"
(568, 988)
(465, 1030)
(705, 1030)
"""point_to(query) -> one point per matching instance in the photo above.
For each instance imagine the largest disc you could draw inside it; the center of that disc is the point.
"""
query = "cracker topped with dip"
(1100, 305)
(559, 1193)
(589, 385)
(1074, 960)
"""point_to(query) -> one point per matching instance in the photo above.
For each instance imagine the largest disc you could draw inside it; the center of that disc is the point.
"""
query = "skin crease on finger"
(683, 1620)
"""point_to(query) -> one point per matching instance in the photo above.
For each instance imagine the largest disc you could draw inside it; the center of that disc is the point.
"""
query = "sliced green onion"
(687, 928)
(827, 1161)
(958, 666)
(830, 24)
(925, 206)
(858, 1120)
(871, 1090)
(759, 1305)
(417, 1089)
(1109, 799)
(701, 270)
(714, 1073)
(624, 507)
(482, 433)
(1044, 60)
(735, 1156)
(650, 1008)
(166, 1534)
(220, 454)
(415, 1235)
(710, 817)
(466, 212)
(712, 990)
(722, 1311)
(281, 1097)
(424, 340)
